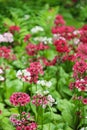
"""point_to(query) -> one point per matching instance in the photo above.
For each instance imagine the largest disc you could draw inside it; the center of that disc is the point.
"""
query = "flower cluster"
(35, 69)
(79, 68)
(44, 83)
(43, 99)
(6, 37)
(61, 46)
(24, 75)
(14, 29)
(59, 20)
(33, 49)
(45, 40)
(26, 122)
(19, 98)
(37, 29)
(6, 53)
(81, 85)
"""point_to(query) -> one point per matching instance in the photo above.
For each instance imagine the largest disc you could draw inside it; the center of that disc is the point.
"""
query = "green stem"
(84, 117)
(23, 87)
(42, 117)
(19, 111)
(50, 117)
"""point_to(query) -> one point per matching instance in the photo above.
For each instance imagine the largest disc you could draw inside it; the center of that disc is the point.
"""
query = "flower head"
(19, 98)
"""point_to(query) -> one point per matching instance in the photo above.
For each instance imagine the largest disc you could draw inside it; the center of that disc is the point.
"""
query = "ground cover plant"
(43, 65)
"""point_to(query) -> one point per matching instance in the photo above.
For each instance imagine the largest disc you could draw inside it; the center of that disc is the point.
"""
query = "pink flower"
(6, 53)
(84, 101)
(81, 85)
(19, 98)
(25, 123)
(35, 69)
(18, 128)
(31, 49)
(39, 100)
(79, 68)
(82, 51)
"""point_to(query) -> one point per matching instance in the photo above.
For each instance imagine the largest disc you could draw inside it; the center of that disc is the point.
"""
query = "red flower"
(27, 37)
(61, 45)
(14, 29)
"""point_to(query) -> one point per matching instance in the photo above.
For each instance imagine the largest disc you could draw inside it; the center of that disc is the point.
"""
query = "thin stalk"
(50, 117)
(23, 87)
(42, 117)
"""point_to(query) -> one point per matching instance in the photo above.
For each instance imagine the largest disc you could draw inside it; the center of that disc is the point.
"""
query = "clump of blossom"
(82, 51)
(6, 53)
(79, 68)
(14, 29)
(39, 100)
(59, 20)
(68, 57)
(81, 85)
(24, 75)
(41, 47)
(37, 29)
(35, 70)
(0, 111)
(64, 31)
(6, 37)
(19, 99)
(33, 49)
(43, 99)
(45, 40)
(26, 122)
(44, 83)
(61, 46)
(27, 37)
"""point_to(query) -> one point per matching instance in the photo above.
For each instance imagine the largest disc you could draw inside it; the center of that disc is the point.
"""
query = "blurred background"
(74, 11)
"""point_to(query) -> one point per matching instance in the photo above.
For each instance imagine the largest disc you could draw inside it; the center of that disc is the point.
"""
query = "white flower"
(37, 29)
(84, 128)
(50, 98)
(76, 41)
(2, 39)
(46, 92)
(43, 39)
(8, 37)
(76, 32)
(1, 71)
(26, 17)
(44, 83)
(2, 78)
(24, 75)
(48, 84)
(19, 73)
